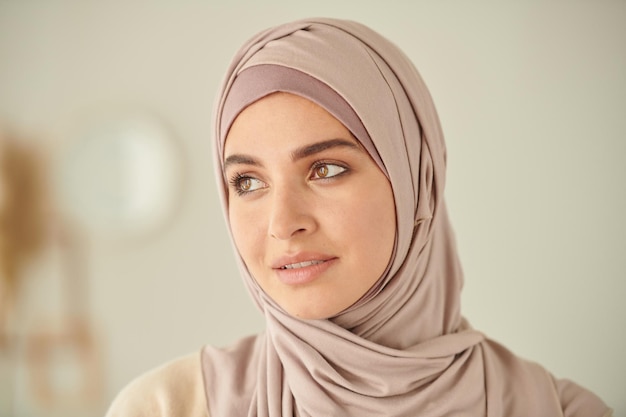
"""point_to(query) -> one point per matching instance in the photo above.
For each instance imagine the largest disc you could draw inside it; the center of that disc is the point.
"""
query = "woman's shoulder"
(507, 372)
(173, 389)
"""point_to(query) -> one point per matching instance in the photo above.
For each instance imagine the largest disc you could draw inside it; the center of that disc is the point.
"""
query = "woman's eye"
(327, 171)
(243, 184)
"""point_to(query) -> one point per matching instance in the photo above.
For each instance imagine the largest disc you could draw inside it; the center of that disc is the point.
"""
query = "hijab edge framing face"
(414, 175)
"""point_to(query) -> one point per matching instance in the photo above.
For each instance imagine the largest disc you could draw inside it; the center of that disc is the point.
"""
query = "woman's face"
(311, 213)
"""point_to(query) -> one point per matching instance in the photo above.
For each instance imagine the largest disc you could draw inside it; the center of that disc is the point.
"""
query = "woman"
(331, 164)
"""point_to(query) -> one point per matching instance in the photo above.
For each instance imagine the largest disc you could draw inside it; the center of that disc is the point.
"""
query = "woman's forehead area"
(286, 121)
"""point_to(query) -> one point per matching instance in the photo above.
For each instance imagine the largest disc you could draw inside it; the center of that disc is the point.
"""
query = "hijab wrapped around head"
(404, 347)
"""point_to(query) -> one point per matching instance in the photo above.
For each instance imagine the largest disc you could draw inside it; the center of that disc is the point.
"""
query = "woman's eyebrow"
(299, 153)
(236, 159)
(317, 147)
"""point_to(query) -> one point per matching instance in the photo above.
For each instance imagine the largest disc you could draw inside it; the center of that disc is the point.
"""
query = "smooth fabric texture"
(404, 348)
(175, 389)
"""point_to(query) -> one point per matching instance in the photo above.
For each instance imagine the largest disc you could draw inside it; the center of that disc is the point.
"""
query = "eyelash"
(237, 179)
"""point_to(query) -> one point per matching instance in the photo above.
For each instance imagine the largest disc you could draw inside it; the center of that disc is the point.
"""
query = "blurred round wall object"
(119, 175)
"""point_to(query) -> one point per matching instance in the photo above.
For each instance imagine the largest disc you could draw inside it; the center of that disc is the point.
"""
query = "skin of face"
(312, 215)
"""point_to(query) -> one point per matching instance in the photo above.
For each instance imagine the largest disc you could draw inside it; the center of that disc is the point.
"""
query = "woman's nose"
(290, 214)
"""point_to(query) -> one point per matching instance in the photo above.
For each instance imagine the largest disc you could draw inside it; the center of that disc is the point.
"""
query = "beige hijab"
(403, 349)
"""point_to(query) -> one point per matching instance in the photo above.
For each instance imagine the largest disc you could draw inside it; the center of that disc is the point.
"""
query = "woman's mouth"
(303, 272)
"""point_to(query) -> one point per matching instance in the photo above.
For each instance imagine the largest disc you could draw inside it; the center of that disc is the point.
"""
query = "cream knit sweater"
(171, 390)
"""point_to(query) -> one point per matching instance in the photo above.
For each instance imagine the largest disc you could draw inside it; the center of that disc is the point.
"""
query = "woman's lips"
(302, 272)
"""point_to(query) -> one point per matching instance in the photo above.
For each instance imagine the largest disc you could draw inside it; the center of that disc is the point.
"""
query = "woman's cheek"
(246, 226)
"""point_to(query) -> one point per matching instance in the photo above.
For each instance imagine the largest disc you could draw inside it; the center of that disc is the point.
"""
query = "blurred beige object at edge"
(58, 350)
(22, 211)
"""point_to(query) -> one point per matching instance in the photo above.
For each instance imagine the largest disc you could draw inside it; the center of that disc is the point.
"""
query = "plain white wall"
(532, 97)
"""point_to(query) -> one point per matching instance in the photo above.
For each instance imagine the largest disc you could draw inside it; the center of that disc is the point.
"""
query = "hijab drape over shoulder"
(404, 348)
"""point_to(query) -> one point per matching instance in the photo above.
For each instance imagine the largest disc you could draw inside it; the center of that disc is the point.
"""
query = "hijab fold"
(403, 349)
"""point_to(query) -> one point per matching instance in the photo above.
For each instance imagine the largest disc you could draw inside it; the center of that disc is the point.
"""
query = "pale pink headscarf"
(403, 349)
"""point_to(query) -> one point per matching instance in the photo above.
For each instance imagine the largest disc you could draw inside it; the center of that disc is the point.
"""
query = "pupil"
(322, 171)
(245, 184)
